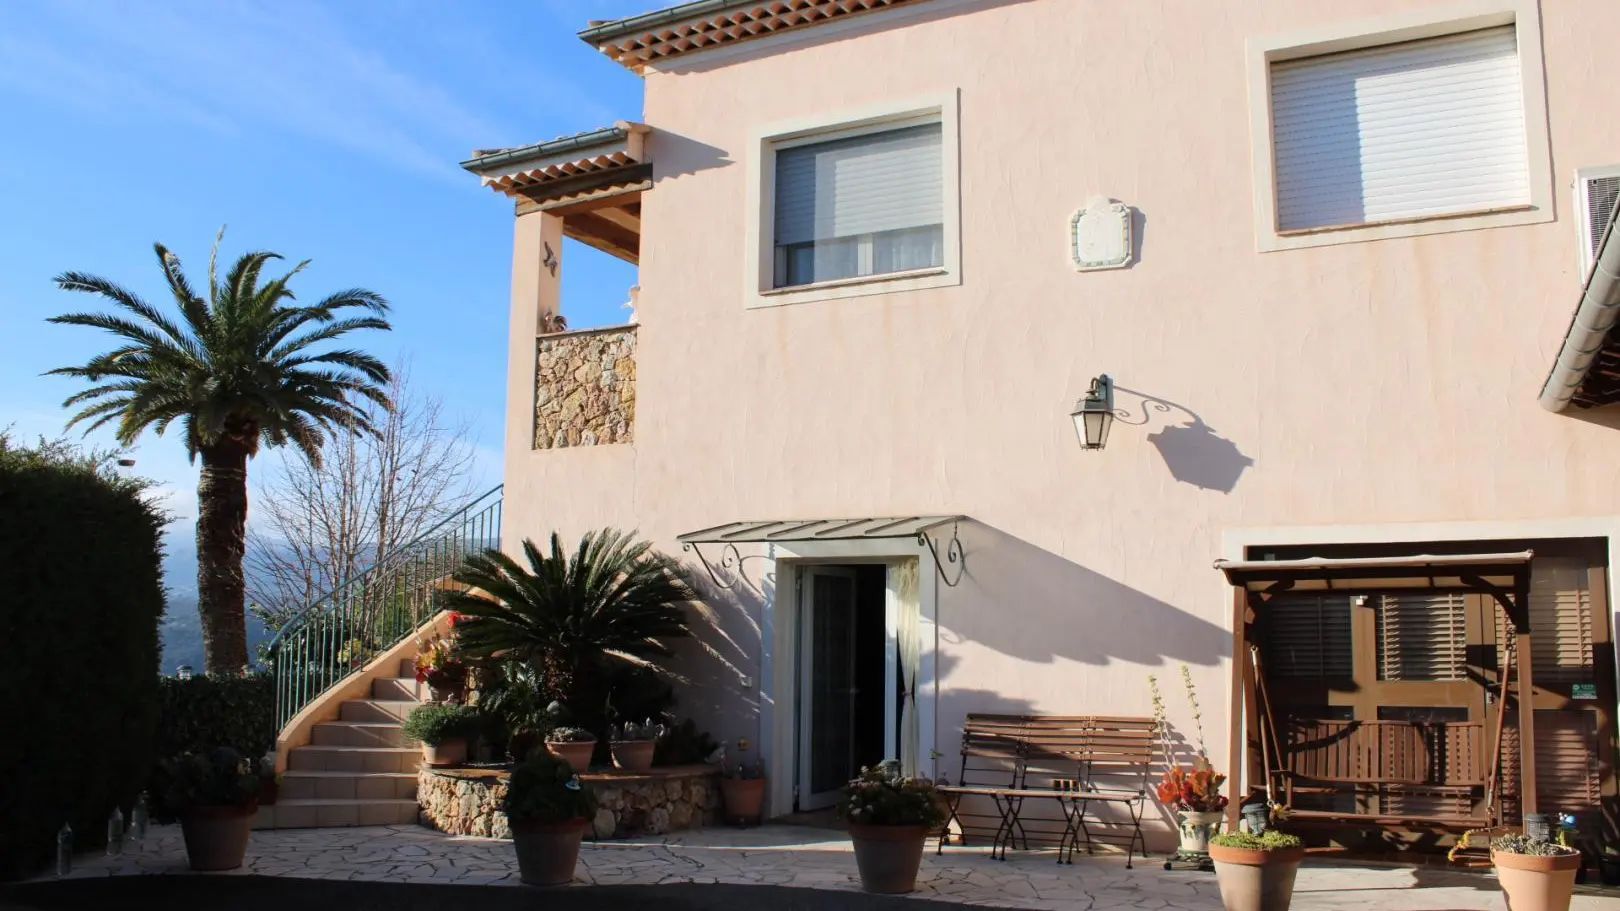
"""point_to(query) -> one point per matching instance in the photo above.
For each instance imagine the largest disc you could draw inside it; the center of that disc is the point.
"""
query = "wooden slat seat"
(1068, 759)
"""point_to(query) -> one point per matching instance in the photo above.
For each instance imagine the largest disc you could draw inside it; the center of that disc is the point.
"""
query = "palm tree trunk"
(221, 527)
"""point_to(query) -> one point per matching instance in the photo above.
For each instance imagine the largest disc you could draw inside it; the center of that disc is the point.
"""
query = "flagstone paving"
(814, 859)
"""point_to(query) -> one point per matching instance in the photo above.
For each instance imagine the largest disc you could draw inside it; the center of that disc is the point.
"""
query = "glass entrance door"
(827, 685)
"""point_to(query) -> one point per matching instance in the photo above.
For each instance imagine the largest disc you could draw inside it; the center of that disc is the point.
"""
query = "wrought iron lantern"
(1094, 414)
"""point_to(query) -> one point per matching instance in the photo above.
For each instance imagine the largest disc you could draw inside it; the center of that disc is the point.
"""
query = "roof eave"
(623, 136)
(618, 28)
(1589, 327)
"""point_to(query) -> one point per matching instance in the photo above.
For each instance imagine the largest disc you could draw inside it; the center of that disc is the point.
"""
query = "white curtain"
(903, 576)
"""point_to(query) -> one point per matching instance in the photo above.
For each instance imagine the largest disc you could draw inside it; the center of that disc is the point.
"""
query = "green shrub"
(220, 777)
(684, 744)
(206, 712)
(544, 789)
(570, 735)
(1271, 840)
(81, 571)
(437, 722)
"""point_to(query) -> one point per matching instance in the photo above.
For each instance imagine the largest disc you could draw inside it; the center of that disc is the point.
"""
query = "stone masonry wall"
(585, 388)
(467, 802)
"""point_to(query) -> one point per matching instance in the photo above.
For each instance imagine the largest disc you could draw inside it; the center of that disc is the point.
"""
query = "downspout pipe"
(1594, 317)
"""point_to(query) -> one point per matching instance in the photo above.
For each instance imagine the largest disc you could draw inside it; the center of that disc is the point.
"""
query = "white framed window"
(862, 204)
(1415, 124)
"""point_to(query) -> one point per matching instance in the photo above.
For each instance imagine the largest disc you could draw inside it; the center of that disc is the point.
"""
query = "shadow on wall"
(724, 653)
(1191, 449)
(1027, 602)
(675, 155)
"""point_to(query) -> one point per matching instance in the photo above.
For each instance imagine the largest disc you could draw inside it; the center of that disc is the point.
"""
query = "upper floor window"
(1400, 126)
(1420, 128)
(855, 202)
(865, 205)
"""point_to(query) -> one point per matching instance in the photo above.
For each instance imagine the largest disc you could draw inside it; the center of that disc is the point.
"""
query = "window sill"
(1444, 223)
(892, 282)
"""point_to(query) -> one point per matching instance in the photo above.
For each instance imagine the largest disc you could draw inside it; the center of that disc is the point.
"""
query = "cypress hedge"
(81, 597)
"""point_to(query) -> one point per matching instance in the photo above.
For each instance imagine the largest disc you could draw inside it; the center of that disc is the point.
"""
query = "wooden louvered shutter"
(1307, 636)
(1422, 636)
(1567, 761)
(1560, 621)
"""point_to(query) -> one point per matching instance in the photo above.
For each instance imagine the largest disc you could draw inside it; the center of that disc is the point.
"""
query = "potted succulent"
(214, 796)
(548, 811)
(438, 666)
(890, 818)
(1256, 872)
(572, 745)
(633, 744)
(1536, 874)
(1195, 794)
(742, 786)
(441, 728)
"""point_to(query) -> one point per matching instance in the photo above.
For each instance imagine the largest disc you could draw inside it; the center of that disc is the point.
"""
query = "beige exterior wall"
(1358, 384)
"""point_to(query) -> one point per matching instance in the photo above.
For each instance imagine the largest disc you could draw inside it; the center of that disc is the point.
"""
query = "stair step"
(395, 689)
(305, 784)
(359, 734)
(354, 759)
(407, 668)
(377, 710)
(309, 814)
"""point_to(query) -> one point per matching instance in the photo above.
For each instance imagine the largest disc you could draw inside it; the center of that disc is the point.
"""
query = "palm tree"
(238, 369)
(580, 619)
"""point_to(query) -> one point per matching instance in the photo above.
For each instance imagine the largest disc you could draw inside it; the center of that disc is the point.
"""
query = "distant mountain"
(182, 628)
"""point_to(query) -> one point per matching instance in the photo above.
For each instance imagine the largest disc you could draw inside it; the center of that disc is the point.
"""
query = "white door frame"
(778, 671)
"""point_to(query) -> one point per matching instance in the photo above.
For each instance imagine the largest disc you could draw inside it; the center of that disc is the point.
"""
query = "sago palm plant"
(578, 617)
(237, 368)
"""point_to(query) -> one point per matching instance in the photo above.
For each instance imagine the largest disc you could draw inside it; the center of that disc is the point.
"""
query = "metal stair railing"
(342, 631)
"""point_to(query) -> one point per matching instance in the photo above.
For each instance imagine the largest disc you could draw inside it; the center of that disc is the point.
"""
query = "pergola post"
(1240, 697)
(1527, 696)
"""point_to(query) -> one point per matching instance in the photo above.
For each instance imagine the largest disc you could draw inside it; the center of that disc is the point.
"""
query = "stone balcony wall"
(585, 388)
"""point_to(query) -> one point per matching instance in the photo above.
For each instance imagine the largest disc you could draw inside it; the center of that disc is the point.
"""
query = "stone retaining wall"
(467, 801)
(585, 388)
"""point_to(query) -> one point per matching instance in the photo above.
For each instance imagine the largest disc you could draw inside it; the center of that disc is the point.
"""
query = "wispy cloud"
(291, 67)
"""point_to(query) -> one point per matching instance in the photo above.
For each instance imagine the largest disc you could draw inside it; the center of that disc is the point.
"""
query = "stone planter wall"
(467, 801)
(585, 388)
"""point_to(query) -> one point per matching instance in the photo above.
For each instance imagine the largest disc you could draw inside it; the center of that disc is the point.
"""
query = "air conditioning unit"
(1596, 192)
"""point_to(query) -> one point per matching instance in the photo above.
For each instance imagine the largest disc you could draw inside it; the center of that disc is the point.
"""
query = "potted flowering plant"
(1535, 874)
(572, 745)
(214, 796)
(742, 785)
(1192, 792)
(438, 666)
(632, 745)
(890, 817)
(1256, 872)
(548, 811)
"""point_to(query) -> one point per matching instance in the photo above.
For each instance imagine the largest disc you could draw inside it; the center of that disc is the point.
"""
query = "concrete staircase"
(359, 770)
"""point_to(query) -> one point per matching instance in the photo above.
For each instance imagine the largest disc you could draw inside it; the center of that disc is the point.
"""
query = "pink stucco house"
(1338, 278)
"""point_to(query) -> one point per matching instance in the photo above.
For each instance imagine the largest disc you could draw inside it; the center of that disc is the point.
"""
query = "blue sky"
(327, 131)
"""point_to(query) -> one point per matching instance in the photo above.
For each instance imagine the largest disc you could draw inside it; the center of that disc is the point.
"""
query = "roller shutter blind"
(866, 184)
(1419, 128)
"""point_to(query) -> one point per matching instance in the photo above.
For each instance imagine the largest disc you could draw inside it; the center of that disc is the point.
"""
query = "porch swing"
(1437, 773)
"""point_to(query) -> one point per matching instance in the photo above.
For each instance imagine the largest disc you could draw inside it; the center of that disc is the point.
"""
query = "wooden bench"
(1078, 762)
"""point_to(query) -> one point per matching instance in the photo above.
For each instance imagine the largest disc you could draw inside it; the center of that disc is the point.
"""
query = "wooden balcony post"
(1236, 759)
(1527, 696)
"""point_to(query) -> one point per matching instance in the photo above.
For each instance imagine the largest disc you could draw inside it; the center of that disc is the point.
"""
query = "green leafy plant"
(220, 777)
(567, 734)
(234, 368)
(580, 617)
(881, 796)
(684, 744)
(1525, 844)
(437, 722)
(545, 789)
(1272, 840)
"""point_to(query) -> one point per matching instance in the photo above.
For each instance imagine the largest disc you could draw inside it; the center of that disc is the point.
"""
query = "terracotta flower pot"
(577, 755)
(1537, 883)
(217, 837)
(633, 755)
(452, 752)
(1254, 880)
(744, 797)
(547, 852)
(888, 857)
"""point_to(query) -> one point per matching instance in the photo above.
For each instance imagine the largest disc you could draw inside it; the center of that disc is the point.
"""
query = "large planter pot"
(888, 856)
(1253, 880)
(1196, 830)
(547, 852)
(452, 752)
(577, 755)
(1536, 883)
(216, 837)
(633, 755)
(744, 799)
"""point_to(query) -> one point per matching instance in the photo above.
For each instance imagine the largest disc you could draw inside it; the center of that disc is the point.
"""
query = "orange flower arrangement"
(1194, 790)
